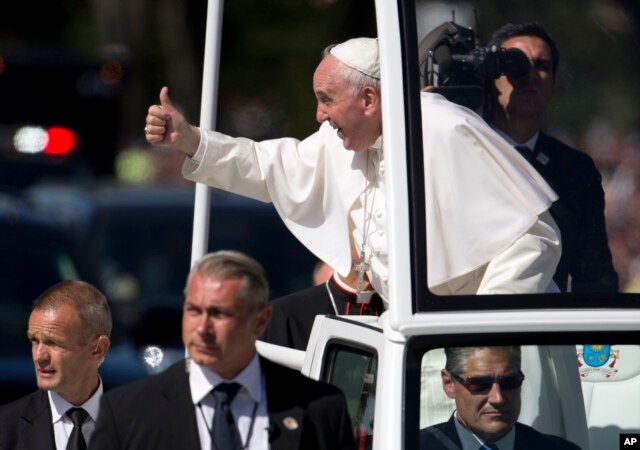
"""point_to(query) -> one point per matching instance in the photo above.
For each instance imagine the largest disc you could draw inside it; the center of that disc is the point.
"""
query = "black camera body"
(452, 61)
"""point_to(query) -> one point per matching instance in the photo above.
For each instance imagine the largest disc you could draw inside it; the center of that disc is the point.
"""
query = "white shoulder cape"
(481, 193)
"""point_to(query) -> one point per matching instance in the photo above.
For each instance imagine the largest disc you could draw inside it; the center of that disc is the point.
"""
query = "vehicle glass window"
(142, 257)
(585, 105)
(355, 371)
(576, 392)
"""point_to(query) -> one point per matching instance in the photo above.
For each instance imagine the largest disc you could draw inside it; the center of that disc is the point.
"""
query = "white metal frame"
(208, 105)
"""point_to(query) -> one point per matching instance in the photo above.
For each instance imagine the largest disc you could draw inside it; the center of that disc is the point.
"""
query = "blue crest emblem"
(596, 355)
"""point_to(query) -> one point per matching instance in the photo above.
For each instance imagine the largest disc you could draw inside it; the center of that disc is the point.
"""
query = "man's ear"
(263, 317)
(101, 347)
(371, 99)
(447, 384)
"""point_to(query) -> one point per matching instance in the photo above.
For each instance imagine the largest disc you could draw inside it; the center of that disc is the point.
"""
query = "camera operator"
(515, 109)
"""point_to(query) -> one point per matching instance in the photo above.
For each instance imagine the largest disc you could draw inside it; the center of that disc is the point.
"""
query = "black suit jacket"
(157, 413)
(444, 436)
(579, 213)
(25, 424)
(292, 317)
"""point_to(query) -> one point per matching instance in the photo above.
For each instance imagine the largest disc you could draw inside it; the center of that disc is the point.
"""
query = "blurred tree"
(267, 57)
(271, 47)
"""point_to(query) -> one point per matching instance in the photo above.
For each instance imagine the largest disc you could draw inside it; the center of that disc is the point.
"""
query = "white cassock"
(488, 229)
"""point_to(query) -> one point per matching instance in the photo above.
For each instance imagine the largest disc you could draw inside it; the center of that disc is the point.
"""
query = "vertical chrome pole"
(209, 102)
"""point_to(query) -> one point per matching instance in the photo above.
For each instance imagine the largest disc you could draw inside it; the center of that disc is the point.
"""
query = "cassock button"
(380, 218)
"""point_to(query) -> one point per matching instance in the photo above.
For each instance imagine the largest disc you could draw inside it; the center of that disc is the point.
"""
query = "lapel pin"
(542, 159)
(290, 423)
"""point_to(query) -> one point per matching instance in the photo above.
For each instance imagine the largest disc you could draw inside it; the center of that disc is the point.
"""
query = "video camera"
(452, 61)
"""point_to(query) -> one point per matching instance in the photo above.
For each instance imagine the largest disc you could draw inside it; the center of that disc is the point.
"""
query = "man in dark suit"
(224, 396)
(516, 109)
(293, 314)
(69, 329)
(485, 384)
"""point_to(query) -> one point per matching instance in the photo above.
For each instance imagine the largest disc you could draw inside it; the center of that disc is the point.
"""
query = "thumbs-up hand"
(165, 125)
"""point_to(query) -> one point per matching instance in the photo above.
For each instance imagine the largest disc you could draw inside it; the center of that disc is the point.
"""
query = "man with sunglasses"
(485, 384)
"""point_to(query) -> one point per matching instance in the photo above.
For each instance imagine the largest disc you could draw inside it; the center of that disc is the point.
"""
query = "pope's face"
(354, 115)
(61, 354)
(219, 329)
(492, 414)
(529, 95)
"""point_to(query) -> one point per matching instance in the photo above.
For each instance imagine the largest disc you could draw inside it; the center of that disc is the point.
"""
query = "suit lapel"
(285, 428)
(525, 440)
(179, 417)
(450, 431)
(36, 429)
(285, 417)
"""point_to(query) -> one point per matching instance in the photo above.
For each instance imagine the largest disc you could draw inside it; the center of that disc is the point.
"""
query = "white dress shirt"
(62, 425)
(249, 406)
(530, 144)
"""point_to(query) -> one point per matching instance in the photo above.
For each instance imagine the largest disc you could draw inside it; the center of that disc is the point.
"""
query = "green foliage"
(270, 50)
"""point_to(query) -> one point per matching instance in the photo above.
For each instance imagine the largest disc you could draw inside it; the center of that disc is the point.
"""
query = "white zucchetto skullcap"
(360, 54)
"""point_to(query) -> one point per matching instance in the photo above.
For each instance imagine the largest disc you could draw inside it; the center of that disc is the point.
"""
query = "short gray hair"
(226, 264)
(89, 303)
(357, 80)
(457, 356)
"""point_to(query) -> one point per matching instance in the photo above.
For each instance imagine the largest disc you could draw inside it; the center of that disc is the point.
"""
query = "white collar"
(203, 380)
(377, 145)
(365, 296)
(59, 406)
(530, 144)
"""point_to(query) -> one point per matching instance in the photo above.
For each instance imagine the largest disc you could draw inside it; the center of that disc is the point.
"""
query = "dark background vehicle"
(139, 237)
(139, 240)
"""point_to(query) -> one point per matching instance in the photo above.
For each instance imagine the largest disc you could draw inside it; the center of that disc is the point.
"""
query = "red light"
(61, 141)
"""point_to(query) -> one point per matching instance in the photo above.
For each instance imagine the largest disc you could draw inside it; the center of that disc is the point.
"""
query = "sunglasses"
(482, 385)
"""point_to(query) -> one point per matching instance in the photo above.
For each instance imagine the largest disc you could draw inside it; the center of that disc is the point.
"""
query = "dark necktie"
(76, 439)
(224, 433)
(487, 446)
(536, 156)
(526, 152)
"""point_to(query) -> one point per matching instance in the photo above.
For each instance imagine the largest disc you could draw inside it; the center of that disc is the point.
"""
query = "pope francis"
(488, 229)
